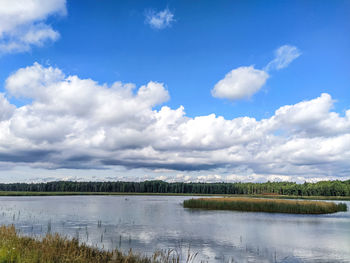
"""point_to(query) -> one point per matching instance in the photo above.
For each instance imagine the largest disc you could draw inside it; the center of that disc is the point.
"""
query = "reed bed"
(55, 249)
(266, 205)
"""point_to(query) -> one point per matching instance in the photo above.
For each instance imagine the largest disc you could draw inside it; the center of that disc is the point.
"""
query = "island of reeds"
(266, 205)
(53, 248)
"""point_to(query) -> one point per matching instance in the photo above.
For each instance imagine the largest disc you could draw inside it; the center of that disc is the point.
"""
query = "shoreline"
(25, 193)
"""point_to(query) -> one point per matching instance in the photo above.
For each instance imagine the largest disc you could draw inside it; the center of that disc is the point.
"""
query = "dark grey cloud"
(29, 156)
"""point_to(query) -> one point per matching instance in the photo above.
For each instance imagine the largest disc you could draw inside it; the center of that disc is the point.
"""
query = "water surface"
(149, 223)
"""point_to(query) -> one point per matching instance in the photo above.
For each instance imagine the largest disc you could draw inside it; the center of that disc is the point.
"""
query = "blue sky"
(109, 41)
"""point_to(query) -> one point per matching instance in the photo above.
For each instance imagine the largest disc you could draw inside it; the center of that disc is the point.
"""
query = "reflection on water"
(149, 223)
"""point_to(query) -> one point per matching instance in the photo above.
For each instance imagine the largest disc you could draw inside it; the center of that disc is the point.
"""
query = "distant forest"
(323, 188)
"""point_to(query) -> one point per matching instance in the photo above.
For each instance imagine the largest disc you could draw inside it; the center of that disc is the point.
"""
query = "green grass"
(266, 205)
(55, 249)
(25, 193)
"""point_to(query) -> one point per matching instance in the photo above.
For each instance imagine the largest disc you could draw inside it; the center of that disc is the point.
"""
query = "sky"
(180, 90)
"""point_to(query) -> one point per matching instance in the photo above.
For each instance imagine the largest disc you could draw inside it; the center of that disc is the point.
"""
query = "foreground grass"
(25, 193)
(55, 249)
(266, 205)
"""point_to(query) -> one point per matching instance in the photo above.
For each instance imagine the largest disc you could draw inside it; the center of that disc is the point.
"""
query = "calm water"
(149, 223)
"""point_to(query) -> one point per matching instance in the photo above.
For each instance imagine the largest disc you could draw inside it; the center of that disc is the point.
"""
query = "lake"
(149, 223)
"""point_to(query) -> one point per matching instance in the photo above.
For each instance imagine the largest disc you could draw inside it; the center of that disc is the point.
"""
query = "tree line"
(322, 188)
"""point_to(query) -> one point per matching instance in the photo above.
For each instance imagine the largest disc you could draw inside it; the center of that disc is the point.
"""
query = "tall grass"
(266, 205)
(55, 249)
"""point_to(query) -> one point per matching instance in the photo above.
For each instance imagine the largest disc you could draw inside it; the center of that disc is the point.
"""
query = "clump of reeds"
(53, 248)
(266, 205)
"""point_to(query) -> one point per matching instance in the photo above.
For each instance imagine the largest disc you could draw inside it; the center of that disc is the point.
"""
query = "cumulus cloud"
(6, 109)
(284, 55)
(240, 83)
(22, 23)
(159, 20)
(312, 118)
(244, 82)
(78, 123)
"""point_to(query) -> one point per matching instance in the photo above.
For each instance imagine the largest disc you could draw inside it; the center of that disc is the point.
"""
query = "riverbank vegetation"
(323, 188)
(53, 248)
(266, 205)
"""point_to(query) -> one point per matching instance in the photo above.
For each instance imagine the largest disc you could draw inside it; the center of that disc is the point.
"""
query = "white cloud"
(159, 20)
(284, 55)
(244, 82)
(22, 23)
(240, 83)
(37, 34)
(6, 109)
(313, 118)
(32, 81)
(77, 123)
(209, 178)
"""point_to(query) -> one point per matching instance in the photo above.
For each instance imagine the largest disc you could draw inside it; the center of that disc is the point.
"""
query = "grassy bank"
(266, 205)
(25, 193)
(55, 249)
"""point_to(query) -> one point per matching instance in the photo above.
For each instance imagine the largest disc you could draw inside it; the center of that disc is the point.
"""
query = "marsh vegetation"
(53, 248)
(266, 205)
